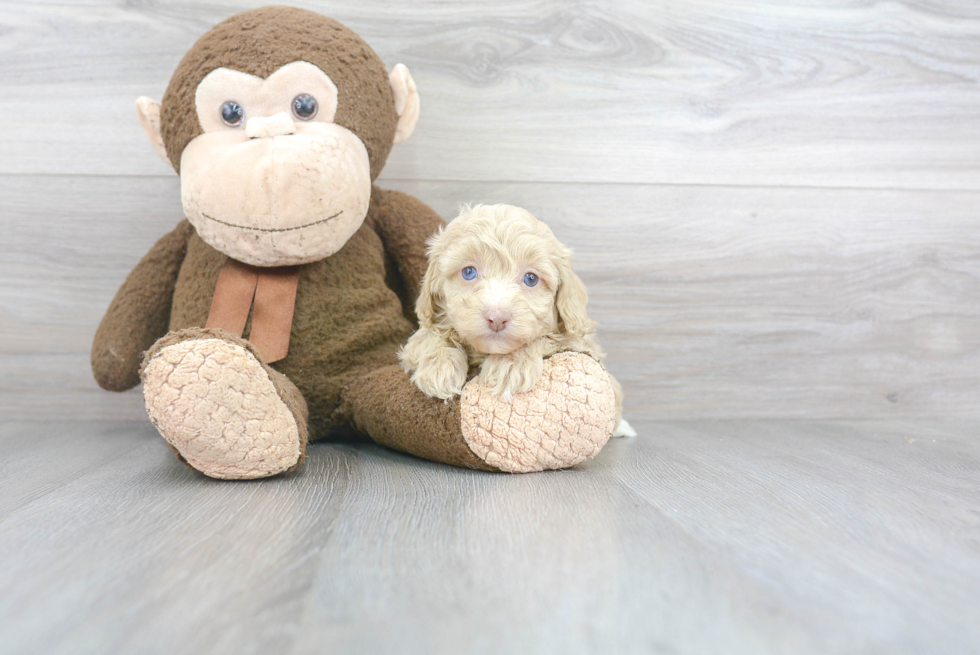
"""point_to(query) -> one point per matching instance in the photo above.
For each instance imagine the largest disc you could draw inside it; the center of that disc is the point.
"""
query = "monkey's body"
(360, 253)
(347, 320)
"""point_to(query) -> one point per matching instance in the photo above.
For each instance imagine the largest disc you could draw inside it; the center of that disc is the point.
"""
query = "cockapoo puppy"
(499, 293)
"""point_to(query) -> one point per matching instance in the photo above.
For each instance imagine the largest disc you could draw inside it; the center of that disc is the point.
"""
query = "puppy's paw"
(441, 373)
(507, 375)
(624, 429)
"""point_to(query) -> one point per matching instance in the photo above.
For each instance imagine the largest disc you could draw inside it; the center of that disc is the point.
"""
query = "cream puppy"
(499, 293)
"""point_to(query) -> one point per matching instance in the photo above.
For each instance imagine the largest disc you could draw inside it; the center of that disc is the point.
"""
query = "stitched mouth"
(274, 229)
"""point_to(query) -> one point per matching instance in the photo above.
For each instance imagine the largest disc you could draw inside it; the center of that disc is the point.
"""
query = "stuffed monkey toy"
(271, 316)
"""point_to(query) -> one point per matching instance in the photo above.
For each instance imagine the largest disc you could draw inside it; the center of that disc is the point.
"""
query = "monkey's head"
(277, 121)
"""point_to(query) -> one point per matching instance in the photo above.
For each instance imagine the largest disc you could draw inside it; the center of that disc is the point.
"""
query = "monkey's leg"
(223, 411)
(563, 421)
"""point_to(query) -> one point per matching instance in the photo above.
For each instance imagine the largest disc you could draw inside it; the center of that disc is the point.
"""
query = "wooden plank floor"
(696, 537)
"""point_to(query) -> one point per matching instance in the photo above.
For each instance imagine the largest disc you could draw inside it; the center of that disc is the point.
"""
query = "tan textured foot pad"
(566, 419)
(215, 404)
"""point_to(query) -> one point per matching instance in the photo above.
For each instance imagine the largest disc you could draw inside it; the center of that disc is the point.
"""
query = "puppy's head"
(500, 279)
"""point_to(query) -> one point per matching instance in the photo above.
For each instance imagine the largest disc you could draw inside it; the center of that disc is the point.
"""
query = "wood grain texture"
(711, 301)
(696, 537)
(840, 93)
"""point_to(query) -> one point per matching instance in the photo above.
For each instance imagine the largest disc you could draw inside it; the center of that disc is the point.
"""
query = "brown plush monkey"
(272, 315)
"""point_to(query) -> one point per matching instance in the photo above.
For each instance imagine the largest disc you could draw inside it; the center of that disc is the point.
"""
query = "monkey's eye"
(232, 114)
(530, 279)
(468, 273)
(304, 106)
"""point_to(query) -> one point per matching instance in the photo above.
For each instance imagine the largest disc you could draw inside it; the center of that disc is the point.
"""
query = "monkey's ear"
(148, 110)
(406, 101)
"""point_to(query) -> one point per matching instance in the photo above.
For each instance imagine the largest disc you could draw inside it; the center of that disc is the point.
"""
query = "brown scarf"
(274, 294)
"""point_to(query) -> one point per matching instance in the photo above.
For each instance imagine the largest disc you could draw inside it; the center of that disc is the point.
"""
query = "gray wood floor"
(696, 537)
(775, 207)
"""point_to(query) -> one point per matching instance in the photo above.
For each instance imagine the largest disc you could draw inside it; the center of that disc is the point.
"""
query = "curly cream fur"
(502, 243)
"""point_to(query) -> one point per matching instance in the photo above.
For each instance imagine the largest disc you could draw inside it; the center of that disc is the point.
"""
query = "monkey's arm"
(139, 314)
(404, 224)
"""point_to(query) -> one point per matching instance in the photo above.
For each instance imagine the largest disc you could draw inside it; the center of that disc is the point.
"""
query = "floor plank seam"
(680, 185)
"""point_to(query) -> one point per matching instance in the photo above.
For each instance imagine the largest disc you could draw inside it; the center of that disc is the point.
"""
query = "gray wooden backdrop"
(774, 203)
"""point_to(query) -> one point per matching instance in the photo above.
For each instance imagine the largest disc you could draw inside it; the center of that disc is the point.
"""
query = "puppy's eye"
(232, 114)
(468, 273)
(530, 279)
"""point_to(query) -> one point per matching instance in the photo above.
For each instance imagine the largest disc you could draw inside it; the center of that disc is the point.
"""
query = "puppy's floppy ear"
(571, 299)
(427, 303)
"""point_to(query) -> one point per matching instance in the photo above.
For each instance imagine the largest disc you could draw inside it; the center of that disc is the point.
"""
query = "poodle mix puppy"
(499, 294)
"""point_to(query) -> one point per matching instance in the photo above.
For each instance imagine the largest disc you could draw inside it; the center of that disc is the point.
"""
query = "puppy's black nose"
(496, 319)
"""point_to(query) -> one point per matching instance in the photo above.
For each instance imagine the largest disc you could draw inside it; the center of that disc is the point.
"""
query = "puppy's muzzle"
(497, 318)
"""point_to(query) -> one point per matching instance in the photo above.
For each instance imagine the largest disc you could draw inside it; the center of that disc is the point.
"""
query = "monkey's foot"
(565, 419)
(222, 410)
